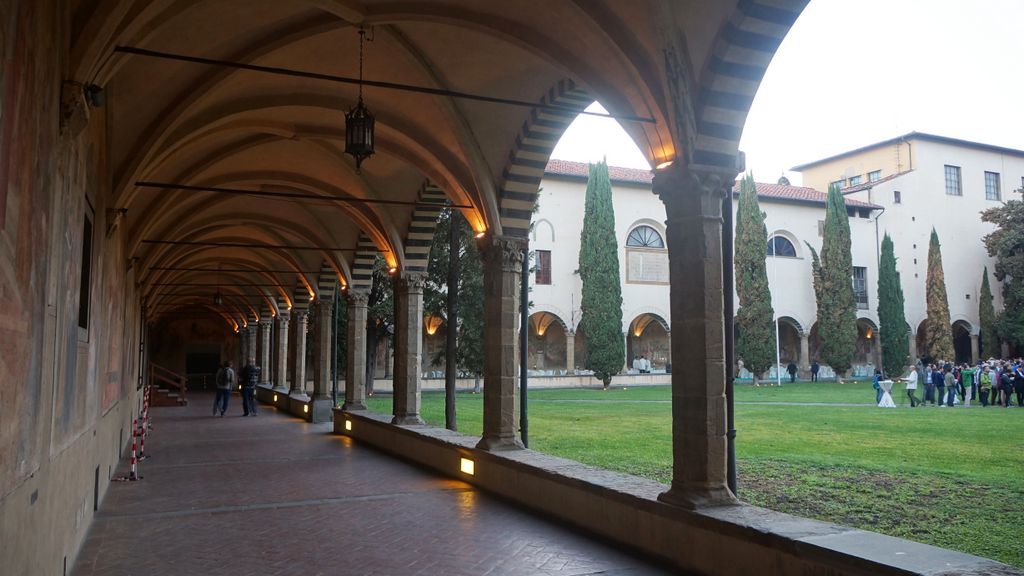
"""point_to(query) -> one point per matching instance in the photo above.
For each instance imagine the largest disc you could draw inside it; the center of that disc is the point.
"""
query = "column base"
(500, 444)
(298, 395)
(698, 497)
(408, 420)
(281, 389)
(321, 411)
(353, 406)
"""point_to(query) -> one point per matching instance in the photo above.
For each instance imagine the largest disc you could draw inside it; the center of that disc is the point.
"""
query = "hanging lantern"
(359, 121)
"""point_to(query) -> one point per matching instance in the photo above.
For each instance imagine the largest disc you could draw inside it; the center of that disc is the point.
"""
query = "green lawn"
(949, 477)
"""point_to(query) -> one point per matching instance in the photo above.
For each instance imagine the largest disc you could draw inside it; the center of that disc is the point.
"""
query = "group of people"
(641, 364)
(226, 382)
(947, 384)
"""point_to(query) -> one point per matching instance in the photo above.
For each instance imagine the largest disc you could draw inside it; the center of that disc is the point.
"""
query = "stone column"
(502, 261)
(299, 353)
(805, 355)
(408, 347)
(243, 346)
(323, 402)
(693, 203)
(570, 351)
(627, 360)
(250, 351)
(975, 353)
(913, 347)
(281, 368)
(266, 323)
(355, 365)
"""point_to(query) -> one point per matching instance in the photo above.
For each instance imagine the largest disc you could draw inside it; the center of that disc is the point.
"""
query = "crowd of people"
(946, 384)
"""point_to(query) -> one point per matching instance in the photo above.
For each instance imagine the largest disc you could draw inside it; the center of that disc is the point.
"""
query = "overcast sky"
(854, 72)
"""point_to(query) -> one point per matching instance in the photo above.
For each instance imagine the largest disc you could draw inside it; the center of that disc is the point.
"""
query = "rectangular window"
(838, 183)
(860, 286)
(953, 186)
(543, 273)
(897, 197)
(86, 274)
(855, 180)
(876, 175)
(992, 186)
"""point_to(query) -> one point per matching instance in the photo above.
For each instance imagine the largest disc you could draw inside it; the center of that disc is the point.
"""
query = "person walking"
(250, 378)
(912, 387)
(939, 383)
(225, 382)
(814, 371)
(792, 372)
(877, 386)
(984, 384)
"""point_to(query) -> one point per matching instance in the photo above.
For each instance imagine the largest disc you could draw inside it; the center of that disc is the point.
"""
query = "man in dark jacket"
(250, 378)
(939, 384)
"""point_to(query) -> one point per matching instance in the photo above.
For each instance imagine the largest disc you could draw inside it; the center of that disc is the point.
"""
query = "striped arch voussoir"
(362, 266)
(529, 157)
(326, 283)
(421, 229)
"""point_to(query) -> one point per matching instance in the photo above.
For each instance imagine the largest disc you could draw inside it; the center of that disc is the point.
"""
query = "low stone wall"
(742, 539)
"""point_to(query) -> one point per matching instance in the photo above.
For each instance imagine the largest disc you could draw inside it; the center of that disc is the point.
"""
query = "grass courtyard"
(949, 477)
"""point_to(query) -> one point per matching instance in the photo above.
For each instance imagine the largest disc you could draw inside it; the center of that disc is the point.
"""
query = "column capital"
(266, 320)
(411, 281)
(358, 297)
(503, 251)
(680, 186)
(300, 314)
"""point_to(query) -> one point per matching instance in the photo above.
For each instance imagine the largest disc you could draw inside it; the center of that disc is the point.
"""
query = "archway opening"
(648, 339)
(547, 345)
(962, 341)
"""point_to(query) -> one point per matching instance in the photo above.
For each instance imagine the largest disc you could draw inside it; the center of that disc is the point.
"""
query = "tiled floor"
(275, 495)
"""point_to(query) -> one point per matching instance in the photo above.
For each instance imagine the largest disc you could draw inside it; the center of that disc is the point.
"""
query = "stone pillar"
(243, 346)
(281, 365)
(570, 351)
(502, 261)
(323, 401)
(355, 365)
(975, 353)
(805, 355)
(250, 351)
(408, 347)
(693, 203)
(627, 360)
(266, 323)
(913, 347)
(299, 353)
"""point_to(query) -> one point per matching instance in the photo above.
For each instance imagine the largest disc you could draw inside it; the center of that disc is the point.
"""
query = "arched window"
(781, 246)
(644, 237)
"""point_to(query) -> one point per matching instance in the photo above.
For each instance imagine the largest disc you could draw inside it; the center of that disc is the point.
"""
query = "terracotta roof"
(796, 194)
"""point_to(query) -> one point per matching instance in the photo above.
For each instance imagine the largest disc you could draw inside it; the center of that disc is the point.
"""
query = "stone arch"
(421, 228)
(544, 230)
(648, 336)
(547, 341)
(785, 237)
(790, 333)
(530, 154)
(642, 224)
(867, 354)
(962, 334)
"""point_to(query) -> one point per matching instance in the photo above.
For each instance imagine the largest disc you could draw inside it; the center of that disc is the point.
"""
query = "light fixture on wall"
(359, 121)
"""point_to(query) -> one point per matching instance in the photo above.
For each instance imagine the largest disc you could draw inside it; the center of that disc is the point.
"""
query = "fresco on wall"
(112, 303)
(28, 132)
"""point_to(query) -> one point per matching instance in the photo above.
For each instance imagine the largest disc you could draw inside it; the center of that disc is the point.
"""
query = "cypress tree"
(938, 331)
(989, 345)
(756, 343)
(837, 309)
(601, 302)
(892, 322)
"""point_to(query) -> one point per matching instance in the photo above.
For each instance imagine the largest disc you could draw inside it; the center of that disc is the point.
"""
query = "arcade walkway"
(274, 495)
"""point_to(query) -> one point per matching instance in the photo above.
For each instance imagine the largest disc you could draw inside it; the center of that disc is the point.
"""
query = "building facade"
(896, 187)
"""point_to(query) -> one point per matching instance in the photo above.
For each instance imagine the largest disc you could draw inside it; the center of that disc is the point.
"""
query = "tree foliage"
(601, 303)
(989, 345)
(1006, 245)
(756, 343)
(938, 330)
(380, 317)
(892, 321)
(837, 308)
(470, 321)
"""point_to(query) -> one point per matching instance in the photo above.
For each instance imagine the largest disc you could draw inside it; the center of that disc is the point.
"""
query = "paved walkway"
(275, 495)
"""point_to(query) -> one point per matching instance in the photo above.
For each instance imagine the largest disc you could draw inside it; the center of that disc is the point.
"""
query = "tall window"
(953, 185)
(644, 237)
(85, 278)
(860, 286)
(897, 197)
(543, 273)
(781, 246)
(992, 185)
(875, 175)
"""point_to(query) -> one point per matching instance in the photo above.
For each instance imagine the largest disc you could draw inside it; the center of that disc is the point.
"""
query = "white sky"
(854, 72)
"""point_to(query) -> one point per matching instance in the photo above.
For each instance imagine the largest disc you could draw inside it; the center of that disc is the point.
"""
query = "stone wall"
(67, 372)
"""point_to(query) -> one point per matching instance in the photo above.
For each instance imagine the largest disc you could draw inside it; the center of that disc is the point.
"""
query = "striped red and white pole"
(134, 474)
(142, 442)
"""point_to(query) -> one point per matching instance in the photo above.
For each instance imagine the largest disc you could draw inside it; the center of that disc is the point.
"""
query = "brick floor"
(276, 495)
